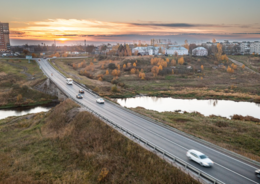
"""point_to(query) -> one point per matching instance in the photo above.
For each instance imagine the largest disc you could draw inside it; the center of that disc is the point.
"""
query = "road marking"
(237, 173)
(187, 148)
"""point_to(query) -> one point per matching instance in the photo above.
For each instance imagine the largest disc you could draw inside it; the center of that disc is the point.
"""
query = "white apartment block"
(255, 47)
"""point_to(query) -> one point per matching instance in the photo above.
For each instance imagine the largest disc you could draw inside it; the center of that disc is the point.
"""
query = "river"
(224, 108)
(4, 113)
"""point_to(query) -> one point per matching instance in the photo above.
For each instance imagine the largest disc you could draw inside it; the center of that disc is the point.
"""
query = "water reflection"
(4, 113)
(224, 108)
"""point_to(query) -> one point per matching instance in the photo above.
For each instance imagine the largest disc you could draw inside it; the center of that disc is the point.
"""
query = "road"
(226, 168)
(241, 64)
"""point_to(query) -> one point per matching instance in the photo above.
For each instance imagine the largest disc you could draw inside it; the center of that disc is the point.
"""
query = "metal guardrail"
(171, 157)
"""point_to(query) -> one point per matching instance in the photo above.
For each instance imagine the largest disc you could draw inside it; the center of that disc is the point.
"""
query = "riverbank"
(238, 136)
(187, 81)
(68, 145)
(17, 81)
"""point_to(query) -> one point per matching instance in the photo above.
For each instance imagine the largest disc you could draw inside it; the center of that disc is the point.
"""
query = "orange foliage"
(116, 72)
(173, 62)
(181, 61)
(142, 75)
(133, 70)
(134, 65)
(107, 72)
(118, 67)
(124, 66)
(202, 67)
(129, 65)
(243, 66)
(155, 71)
(160, 67)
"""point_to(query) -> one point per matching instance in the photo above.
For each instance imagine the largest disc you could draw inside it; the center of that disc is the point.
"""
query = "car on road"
(79, 96)
(81, 91)
(257, 173)
(200, 158)
(69, 81)
(100, 101)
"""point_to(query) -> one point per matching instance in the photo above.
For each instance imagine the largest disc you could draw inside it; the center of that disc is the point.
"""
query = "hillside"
(67, 145)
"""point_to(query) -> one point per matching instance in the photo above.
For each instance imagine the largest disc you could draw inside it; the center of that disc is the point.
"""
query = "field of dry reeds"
(66, 145)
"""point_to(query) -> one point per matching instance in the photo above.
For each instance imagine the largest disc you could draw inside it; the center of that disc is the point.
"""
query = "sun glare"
(62, 39)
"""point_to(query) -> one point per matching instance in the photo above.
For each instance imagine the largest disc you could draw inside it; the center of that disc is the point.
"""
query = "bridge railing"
(172, 158)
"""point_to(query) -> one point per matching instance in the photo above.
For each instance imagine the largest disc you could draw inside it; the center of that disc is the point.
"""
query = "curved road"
(226, 169)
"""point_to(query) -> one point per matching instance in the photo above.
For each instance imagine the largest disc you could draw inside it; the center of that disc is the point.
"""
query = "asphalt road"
(225, 169)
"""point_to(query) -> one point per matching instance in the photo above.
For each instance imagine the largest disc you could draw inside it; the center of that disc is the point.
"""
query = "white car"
(257, 173)
(200, 158)
(100, 100)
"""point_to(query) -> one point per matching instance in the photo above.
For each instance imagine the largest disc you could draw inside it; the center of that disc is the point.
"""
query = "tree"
(202, 67)
(172, 71)
(25, 52)
(186, 44)
(133, 70)
(124, 66)
(219, 53)
(102, 66)
(155, 71)
(129, 65)
(243, 66)
(142, 75)
(19, 98)
(118, 67)
(107, 72)
(94, 60)
(214, 40)
(34, 55)
(167, 60)
(116, 72)
(160, 67)
(181, 61)
(134, 65)
(224, 58)
(173, 62)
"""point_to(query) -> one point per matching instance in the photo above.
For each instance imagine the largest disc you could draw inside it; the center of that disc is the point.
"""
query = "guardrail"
(171, 157)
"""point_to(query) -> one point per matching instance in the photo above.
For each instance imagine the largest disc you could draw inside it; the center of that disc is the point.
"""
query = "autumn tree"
(107, 72)
(172, 71)
(134, 65)
(219, 53)
(118, 66)
(34, 55)
(167, 60)
(124, 66)
(243, 66)
(116, 72)
(186, 44)
(102, 66)
(160, 67)
(181, 61)
(133, 70)
(94, 60)
(202, 67)
(19, 98)
(142, 75)
(155, 71)
(173, 62)
(224, 58)
(129, 65)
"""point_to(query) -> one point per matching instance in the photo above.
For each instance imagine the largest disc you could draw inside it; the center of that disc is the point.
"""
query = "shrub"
(114, 89)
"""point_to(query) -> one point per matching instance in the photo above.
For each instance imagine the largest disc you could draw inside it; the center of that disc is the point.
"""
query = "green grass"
(68, 146)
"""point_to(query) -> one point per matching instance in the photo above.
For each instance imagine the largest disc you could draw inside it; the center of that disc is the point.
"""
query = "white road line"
(237, 173)
(199, 144)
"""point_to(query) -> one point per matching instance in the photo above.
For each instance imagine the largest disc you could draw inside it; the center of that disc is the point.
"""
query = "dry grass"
(241, 137)
(69, 146)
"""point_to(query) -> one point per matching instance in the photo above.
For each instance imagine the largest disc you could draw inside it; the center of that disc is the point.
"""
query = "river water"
(224, 108)
(4, 113)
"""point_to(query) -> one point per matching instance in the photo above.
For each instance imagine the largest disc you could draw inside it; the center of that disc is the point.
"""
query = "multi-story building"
(4, 37)
(245, 47)
(255, 47)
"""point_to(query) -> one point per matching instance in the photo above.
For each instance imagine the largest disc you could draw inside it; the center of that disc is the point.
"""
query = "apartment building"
(245, 47)
(4, 37)
(255, 47)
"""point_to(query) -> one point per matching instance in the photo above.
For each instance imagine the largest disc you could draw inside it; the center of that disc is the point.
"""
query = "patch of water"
(224, 108)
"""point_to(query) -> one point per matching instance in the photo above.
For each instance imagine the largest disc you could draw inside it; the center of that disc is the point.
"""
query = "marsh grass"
(69, 146)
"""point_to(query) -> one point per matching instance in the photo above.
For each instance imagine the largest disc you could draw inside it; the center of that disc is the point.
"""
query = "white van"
(69, 81)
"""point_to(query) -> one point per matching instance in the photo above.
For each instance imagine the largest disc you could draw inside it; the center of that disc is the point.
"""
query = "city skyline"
(101, 22)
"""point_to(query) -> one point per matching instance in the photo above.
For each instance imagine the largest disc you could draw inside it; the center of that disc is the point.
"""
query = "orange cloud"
(70, 29)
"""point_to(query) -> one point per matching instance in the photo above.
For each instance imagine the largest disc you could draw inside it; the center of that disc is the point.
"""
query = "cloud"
(92, 29)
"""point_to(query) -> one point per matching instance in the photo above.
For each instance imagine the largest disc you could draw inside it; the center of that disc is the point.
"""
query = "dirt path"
(241, 64)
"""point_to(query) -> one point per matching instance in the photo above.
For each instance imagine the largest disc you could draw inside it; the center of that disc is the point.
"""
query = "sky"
(124, 21)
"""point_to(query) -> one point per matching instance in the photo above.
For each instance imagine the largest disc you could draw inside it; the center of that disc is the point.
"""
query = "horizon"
(100, 22)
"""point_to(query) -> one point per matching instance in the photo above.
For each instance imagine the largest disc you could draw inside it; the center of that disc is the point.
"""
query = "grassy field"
(17, 77)
(252, 62)
(213, 82)
(66, 145)
(241, 137)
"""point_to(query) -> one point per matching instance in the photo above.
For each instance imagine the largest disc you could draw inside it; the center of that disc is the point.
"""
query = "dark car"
(81, 91)
(79, 96)
(257, 173)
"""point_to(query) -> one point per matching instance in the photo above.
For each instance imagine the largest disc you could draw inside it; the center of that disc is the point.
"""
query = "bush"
(114, 89)
(112, 66)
